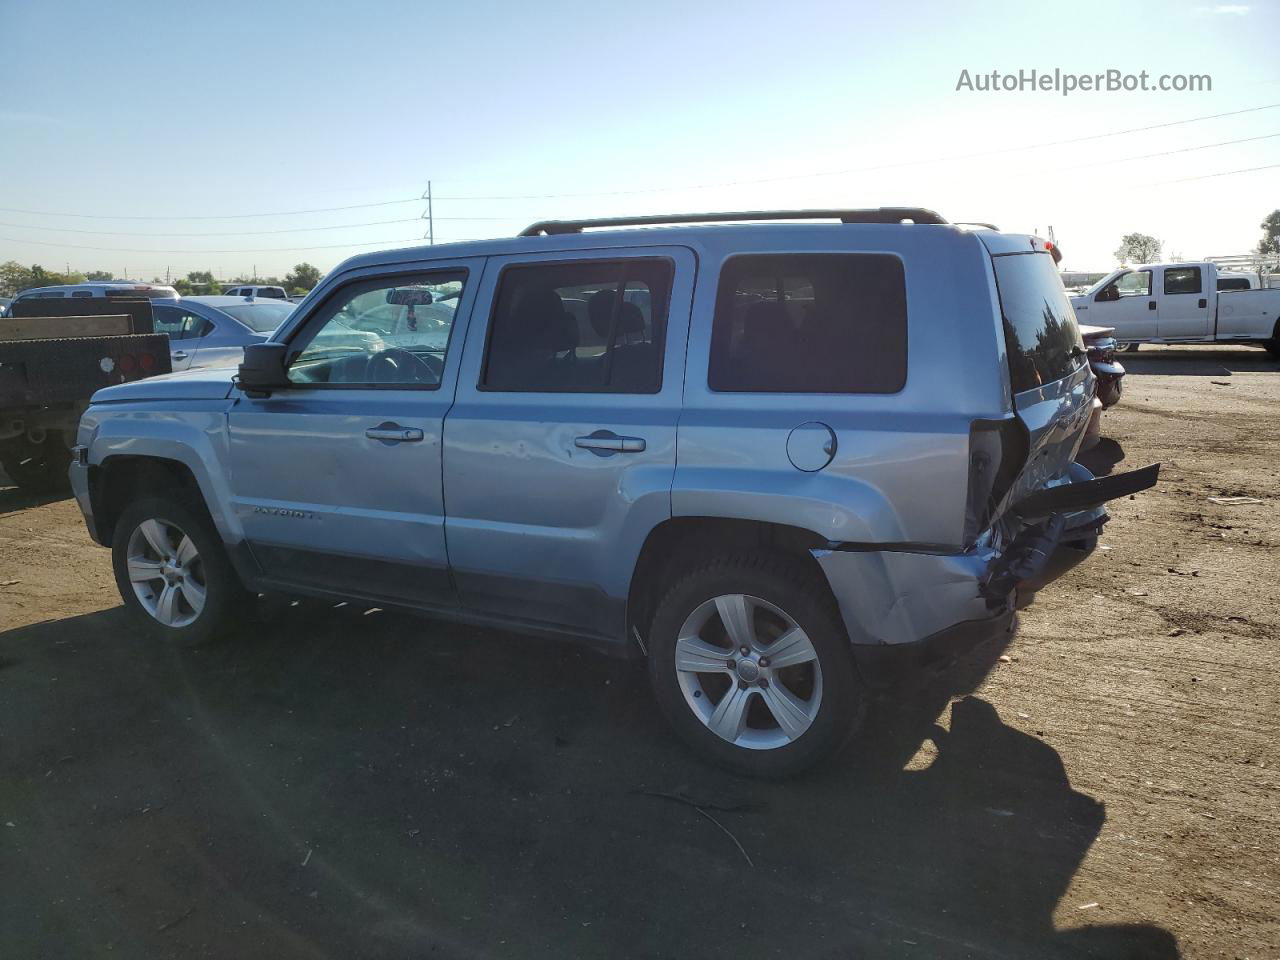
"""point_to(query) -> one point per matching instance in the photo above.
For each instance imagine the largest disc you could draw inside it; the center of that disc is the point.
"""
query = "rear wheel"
(751, 665)
(173, 572)
(37, 464)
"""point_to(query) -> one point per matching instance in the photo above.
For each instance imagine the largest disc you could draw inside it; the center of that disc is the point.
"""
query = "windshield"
(260, 317)
(1040, 327)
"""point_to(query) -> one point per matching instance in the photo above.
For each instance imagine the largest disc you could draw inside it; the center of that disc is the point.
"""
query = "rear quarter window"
(810, 323)
(1040, 330)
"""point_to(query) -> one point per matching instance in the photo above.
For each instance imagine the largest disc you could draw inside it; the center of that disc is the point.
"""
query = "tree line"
(1144, 248)
(14, 278)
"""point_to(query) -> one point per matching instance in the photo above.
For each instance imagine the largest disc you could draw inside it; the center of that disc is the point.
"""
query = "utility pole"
(431, 223)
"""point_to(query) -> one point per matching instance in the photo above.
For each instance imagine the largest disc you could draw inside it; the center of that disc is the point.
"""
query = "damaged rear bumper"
(953, 601)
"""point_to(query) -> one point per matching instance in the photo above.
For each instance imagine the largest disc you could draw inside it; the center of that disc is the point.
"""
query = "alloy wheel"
(166, 573)
(748, 672)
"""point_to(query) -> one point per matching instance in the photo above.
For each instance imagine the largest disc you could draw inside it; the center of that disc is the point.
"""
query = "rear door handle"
(605, 442)
(1203, 303)
(394, 433)
(180, 355)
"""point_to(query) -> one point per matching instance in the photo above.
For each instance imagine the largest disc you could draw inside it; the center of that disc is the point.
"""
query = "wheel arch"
(680, 543)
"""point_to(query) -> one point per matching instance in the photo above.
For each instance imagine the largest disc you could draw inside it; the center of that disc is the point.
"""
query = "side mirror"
(263, 369)
(1106, 294)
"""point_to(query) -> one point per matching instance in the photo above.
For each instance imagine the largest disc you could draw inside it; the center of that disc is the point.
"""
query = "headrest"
(600, 310)
(542, 323)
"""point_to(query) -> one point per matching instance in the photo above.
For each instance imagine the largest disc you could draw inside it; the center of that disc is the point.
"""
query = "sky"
(150, 137)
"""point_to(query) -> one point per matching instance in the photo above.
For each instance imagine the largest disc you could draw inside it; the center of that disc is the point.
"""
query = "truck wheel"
(37, 468)
(173, 573)
(751, 665)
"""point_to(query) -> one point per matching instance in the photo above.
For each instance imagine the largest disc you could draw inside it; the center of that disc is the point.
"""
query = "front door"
(559, 452)
(336, 480)
(1184, 308)
(1128, 304)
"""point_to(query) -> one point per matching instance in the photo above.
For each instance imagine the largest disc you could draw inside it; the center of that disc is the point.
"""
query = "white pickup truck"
(1180, 303)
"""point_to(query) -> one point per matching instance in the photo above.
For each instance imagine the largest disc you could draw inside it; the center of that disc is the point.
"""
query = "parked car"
(4, 305)
(124, 289)
(1181, 303)
(254, 290)
(774, 459)
(1100, 346)
(213, 331)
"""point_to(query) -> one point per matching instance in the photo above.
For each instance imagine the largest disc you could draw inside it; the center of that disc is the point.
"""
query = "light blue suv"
(774, 458)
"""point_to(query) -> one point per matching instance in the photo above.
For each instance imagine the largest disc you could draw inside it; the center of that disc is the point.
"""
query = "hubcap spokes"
(166, 573)
(737, 649)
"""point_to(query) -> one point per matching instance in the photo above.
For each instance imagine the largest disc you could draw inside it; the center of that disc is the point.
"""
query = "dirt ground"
(336, 784)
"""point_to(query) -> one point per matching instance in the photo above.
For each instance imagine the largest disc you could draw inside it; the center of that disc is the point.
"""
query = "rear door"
(1185, 306)
(559, 451)
(186, 330)
(1048, 369)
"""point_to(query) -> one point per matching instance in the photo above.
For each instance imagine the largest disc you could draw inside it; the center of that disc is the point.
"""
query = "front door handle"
(179, 355)
(1151, 304)
(604, 442)
(394, 433)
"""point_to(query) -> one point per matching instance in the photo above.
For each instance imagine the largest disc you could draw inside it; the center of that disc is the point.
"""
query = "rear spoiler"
(1071, 497)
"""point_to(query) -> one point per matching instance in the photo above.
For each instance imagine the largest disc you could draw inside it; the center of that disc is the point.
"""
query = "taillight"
(997, 453)
(146, 361)
(126, 363)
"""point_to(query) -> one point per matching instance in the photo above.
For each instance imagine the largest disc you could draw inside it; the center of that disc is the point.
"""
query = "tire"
(1109, 392)
(772, 594)
(1130, 348)
(1273, 347)
(38, 468)
(159, 526)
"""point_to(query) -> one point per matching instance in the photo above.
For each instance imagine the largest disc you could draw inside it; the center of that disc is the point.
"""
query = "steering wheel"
(397, 365)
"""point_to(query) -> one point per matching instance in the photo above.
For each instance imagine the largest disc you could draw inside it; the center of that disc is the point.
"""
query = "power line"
(703, 186)
(239, 233)
(1224, 173)
(331, 246)
(226, 216)
(1169, 153)
(882, 166)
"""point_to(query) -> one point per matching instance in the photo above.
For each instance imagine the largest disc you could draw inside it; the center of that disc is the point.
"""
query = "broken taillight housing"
(997, 453)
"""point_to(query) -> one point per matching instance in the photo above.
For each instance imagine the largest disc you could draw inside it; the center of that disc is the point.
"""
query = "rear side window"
(1040, 328)
(1182, 280)
(589, 326)
(1233, 283)
(810, 323)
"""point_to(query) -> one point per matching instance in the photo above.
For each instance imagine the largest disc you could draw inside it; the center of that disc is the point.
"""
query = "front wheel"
(173, 572)
(751, 665)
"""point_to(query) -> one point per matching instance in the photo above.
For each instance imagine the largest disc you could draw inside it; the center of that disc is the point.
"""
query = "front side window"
(1134, 284)
(589, 326)
(1182, 280)
(810, 323)
(380, 333)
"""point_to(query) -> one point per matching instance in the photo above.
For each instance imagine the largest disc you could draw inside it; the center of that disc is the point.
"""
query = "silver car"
(780, 461)
(213, 331)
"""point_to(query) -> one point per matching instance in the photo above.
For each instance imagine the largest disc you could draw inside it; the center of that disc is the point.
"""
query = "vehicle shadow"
(1102, 457)
(13, 499)
(342, 783)
(1197, 361)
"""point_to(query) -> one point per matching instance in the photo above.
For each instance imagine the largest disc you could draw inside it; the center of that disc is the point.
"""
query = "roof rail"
(877, 215)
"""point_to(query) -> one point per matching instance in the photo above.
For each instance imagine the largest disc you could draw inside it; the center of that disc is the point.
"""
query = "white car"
(1180, 303)
(122, 289)
(251, 290)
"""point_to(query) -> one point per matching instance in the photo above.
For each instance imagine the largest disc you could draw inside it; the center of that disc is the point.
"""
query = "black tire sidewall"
(226, 599)
(782, 582)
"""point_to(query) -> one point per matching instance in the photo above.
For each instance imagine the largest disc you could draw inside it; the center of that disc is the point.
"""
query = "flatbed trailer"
(49, 368)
